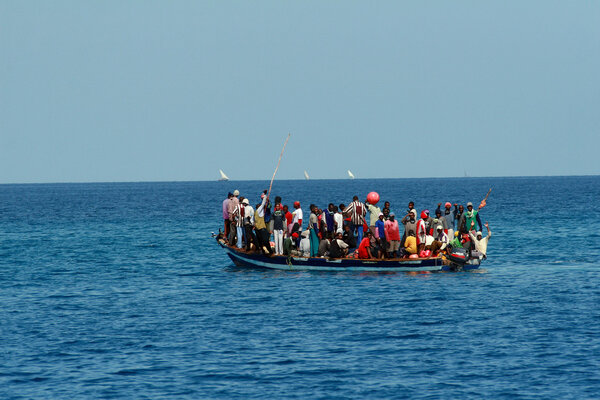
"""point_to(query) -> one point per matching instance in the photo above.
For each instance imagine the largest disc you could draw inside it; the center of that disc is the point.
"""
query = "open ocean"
(117, 290)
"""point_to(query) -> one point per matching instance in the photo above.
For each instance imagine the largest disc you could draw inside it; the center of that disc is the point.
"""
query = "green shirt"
(375, 211)
(455, 243)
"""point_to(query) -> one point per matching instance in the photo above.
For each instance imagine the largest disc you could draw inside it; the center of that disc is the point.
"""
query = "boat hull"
(294, 263)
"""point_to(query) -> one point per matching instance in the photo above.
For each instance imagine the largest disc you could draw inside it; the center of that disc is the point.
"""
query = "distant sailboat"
(223, 176)
(350, 175)
(306, 175)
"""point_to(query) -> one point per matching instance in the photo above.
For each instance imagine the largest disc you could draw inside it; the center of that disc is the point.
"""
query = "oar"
(483, 202)
(278, 162)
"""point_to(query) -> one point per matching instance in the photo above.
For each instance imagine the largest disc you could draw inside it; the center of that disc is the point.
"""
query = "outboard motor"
(458, 255)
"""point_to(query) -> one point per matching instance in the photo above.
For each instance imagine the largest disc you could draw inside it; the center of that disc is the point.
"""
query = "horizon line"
(294, 179)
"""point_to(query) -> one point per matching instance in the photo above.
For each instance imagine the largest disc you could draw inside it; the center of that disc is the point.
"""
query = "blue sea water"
(118, 291)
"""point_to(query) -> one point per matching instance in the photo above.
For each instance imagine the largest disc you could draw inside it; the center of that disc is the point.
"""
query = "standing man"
(233, 203)
(338, 220)
(410, 223)
(238, 217)
(357, 211)
(288, 220)
(448, 216)
(262, 234)
(380, 234)
(470, 217)
(392, 236)
(458, 218)
(226, 214)
(374, 212)
(329, 218)
(386, 210)
(422, 230)
(249, 224)
(278, 223)
(297, 214)
(313, 226)
(437, 221)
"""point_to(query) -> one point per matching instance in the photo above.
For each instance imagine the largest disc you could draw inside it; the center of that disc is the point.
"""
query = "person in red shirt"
(364, 249)
(392, 235)
(288, 219)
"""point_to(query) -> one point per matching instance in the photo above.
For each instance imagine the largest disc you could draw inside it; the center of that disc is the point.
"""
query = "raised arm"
(479, 222)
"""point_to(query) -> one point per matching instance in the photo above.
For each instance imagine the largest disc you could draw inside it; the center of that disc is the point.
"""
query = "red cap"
(424, 214)
(296, 204)
(295, 235)
(448, 204)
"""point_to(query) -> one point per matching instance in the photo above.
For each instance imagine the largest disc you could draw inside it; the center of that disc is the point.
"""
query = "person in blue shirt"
(380, 234)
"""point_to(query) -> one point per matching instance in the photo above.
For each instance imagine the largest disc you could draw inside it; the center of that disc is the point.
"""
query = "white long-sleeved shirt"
(249, 213)
(305, 247)
(481, 245)
(261, 209)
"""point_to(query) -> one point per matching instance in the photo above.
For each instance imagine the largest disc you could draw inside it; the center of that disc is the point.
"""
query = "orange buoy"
(373, 198)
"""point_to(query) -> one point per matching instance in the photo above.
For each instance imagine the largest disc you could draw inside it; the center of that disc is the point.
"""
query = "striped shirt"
(357, 212)
(237, 215)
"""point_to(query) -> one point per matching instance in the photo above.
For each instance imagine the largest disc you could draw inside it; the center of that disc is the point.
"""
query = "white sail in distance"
(350, 175)
(223, 176)
(306, 175)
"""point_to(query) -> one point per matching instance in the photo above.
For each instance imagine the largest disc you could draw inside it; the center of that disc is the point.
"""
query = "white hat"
(236, 192)
(245, 201)
(479, 233)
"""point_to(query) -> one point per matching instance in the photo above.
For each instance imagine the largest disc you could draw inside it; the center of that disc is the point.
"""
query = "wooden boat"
(296, 263)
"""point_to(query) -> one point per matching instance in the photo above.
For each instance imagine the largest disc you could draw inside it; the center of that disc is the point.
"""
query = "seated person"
(305, 244)
(349, 237)
(364, 248)
(289, 244)
(338, 248)
(324, 245)
(440, 240)
(454, 243)
(410, 244)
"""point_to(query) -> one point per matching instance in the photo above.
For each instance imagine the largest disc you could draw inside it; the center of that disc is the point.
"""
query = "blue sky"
(154, 91)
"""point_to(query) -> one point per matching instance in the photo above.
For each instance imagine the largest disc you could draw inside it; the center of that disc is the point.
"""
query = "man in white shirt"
(481, 243)
(338, 220)
(297, 214)
(248, 223)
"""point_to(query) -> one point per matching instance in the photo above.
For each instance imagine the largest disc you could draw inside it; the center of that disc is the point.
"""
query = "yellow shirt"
(411, 244)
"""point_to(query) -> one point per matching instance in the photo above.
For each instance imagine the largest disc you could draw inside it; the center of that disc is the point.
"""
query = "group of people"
(343, 230)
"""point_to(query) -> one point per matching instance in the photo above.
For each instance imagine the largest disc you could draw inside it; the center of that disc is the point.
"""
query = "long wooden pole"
(484, 201)
(278, 162)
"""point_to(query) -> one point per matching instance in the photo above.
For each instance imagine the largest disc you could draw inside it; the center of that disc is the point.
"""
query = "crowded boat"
(356, 230)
